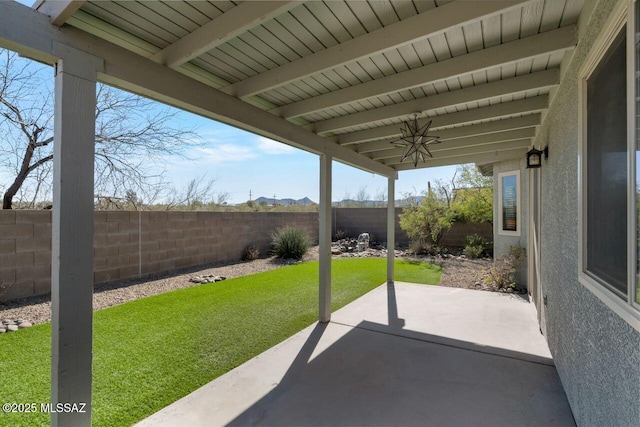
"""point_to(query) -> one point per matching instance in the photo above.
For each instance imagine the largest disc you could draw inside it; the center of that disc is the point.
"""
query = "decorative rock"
(24, 324)
(210, 278)
(19, 321)
(336, 252)
(363, 242)
(6, 321)
(12, 328)
(2, 330)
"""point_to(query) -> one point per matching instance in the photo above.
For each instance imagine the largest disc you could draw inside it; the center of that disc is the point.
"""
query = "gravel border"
(458, 272)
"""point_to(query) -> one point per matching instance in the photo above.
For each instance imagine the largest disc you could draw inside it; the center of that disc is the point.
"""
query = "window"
(609, 195)
(509, 203)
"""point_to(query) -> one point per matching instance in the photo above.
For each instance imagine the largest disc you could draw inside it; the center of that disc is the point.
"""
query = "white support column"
(325, 238)
(72, 234)
(391, 228)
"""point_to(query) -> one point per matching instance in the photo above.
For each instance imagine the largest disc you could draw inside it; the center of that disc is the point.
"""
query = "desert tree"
(362, 196)
(134, 137)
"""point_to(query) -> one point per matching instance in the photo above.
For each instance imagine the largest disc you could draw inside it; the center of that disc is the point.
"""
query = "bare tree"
(362, 196)
(195, 195)
(133, 138)
(381, 197)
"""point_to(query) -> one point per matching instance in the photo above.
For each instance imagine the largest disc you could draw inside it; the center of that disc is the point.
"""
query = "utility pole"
(274, 200)
(249, 195)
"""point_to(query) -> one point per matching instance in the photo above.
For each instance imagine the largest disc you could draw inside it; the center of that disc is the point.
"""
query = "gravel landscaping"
(458, 272)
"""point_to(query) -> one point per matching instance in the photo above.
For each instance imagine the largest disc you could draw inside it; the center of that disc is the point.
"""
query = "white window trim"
(518, 206)
(622, 14)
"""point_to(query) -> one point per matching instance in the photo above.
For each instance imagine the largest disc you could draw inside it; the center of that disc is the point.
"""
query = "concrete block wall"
(374, 221)
(25, 253)
(355, 221)
(130, 245)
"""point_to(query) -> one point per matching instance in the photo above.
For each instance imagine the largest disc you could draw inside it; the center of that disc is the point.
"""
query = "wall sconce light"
(534, 157)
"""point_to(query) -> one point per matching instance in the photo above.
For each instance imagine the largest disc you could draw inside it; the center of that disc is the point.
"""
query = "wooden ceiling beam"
(484, 158)
(220, 30)
(486, 142)
(505, 109)
(529, 47)
(417, 27)
(540, 80)
(461, 132)
(58, 11)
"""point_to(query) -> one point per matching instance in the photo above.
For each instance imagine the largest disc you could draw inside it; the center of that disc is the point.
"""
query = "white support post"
(391, 228)
(72, 234)
(325, 238)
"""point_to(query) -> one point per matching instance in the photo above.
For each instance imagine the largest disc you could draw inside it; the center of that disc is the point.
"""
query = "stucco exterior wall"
(501, 242)
(597, 353)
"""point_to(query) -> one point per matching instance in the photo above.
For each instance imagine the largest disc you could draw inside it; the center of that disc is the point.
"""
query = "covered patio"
(337, 79)
(403, 354)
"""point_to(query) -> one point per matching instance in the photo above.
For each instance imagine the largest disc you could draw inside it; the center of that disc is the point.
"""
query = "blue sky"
(240, 162)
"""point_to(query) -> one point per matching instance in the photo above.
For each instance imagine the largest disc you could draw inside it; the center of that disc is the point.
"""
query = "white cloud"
(223, 153)
(269, 146)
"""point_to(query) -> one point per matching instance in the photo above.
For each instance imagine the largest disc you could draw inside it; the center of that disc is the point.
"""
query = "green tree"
(473, 195)
(428, 220)
(468, 197)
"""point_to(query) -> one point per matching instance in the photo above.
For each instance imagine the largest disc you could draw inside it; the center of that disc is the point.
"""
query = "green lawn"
(153, 351)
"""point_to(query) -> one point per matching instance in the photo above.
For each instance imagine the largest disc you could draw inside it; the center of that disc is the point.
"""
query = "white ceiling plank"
(538, 103)
(386, 13)
(456, 40)
(511, 25)
(542, 79)
(467, 158)
(314, 26)
(463, 131)
(532, 17)
(459, 143)
(473, 36)
(436, 21)
(58, 11)
(323, 14)
(37, 39)
(561, 39)
(112, 13)
(571, 12)
(220, 30)
(492, 31)
(552, 14)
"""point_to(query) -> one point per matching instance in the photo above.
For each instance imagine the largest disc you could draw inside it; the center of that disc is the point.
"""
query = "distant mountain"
(376, 203)
(343, 203)
(285, 202)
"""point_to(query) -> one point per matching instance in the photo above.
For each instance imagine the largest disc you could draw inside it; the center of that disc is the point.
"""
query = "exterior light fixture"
(416, 141)
(534, 157)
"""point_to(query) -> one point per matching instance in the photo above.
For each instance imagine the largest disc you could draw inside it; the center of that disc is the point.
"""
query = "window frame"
(501, 230)
(623, 14)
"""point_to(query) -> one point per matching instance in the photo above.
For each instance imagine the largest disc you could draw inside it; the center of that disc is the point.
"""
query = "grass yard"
(153, 351)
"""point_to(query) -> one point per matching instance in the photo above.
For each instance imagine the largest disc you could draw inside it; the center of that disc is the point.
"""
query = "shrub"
(290, 242)
(427, 221)
(502, 273)
(475, 246)
(423, 247)
(250, 253)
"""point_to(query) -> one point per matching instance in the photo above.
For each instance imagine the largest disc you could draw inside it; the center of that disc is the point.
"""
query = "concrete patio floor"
(401, 355)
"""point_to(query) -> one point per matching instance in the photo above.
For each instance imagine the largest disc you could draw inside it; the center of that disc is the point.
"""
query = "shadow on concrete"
(376, 374)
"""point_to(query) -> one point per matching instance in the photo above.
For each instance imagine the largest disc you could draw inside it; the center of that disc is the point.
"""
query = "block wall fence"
(132, 245)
